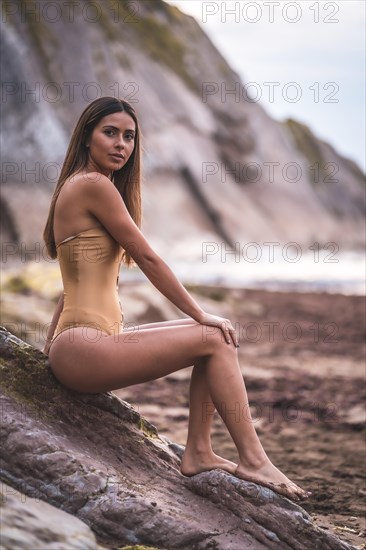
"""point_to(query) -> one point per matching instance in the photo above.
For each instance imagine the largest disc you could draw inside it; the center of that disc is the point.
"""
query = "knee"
(215, 341)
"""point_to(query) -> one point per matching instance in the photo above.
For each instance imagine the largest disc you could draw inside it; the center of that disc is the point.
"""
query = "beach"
(302, 355)
(303, 360)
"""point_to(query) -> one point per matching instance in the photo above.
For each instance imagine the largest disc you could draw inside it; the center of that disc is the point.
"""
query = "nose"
(120, 141)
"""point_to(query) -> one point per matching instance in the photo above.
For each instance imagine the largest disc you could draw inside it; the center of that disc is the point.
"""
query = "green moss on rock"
(156, 38)
(17, 284)
(148, 428)
(310, 147)
(160, 43)
(40, 33)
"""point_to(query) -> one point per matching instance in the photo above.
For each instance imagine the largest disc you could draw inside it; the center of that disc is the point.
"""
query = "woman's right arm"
(103, 201)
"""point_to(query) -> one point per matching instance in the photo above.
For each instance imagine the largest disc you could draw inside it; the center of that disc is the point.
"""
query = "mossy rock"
(309, 146)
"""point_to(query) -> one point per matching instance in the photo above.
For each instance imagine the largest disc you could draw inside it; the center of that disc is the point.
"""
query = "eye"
(130, 137)
(109, 132)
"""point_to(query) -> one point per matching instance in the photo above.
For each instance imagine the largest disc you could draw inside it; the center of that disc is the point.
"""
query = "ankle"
(199, 447)
(253, 460)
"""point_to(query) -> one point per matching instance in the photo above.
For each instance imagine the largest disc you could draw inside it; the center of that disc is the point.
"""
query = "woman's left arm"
(53, 324)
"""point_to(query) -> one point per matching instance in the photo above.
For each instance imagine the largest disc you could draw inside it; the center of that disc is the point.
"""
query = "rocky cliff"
(95, 457)
(217, 167)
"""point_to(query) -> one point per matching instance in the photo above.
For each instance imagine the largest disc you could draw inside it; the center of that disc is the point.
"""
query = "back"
(71, 215)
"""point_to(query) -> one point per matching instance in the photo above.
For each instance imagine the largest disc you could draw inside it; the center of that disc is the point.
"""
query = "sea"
(312, 271)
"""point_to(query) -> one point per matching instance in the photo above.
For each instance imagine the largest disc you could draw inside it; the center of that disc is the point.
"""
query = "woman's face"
(111, 143)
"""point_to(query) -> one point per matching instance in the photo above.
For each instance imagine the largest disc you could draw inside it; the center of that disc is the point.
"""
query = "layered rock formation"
(32, 523)
(215, 163)
(95, 457)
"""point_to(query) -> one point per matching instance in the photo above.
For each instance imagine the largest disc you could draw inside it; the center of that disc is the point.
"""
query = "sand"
(303, 361)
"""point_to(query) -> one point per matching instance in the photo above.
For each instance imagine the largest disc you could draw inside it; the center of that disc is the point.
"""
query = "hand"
(225, 325)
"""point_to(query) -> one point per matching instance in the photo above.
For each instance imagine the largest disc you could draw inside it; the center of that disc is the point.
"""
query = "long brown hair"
(127, 180)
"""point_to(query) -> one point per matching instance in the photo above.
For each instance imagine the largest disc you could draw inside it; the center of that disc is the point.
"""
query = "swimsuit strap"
(80, 233)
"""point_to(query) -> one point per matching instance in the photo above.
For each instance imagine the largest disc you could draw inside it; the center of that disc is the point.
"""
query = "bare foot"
(269, 476)
(193, 464)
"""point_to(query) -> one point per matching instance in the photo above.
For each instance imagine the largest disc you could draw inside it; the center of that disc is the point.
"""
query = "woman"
(93, 225)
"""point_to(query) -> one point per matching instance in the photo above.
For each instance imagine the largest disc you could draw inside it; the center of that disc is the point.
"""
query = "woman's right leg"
(114, 362)
(198, 455)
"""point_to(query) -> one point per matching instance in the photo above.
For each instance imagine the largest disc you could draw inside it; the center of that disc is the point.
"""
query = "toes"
(295, 492)
(304, 494)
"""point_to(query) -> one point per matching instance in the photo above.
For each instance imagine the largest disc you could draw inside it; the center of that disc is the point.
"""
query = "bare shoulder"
(95, 183)
(91, 178)
(99, 199)
(78, 202)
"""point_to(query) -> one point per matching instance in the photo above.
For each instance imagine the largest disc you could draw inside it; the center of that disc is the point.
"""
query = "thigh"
(132, 327)
(89, 362)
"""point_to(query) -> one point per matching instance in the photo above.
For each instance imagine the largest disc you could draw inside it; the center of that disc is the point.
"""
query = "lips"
(117, 156)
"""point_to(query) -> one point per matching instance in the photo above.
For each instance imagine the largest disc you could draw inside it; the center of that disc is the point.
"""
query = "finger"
(226, 334)
(234, 338)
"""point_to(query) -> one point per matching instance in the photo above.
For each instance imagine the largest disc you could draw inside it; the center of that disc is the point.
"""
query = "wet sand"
(303, 360)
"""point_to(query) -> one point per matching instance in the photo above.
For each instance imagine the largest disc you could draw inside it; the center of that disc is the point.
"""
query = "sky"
(310, 53)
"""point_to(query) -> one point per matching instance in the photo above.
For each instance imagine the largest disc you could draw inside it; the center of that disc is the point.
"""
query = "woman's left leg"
(198, 454)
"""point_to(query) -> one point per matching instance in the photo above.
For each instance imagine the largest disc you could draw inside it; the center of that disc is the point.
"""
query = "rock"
(356, 416)
(95, 457)
(31, 523)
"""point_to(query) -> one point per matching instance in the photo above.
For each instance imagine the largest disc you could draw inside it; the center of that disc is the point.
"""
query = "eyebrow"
(115, 128)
